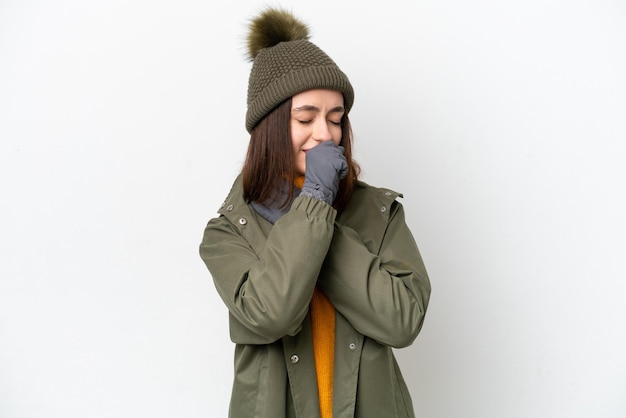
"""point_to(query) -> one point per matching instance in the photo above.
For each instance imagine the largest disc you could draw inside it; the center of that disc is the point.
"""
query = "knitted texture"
(299, 182)
(287, 68)
(323, 329)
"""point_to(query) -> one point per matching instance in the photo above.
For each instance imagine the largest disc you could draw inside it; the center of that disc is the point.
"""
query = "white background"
(122, 128)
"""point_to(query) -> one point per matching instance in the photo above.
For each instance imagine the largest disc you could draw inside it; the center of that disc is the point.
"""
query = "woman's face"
(315, 117)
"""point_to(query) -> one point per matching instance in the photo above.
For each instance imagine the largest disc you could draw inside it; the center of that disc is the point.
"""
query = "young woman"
(320, 274)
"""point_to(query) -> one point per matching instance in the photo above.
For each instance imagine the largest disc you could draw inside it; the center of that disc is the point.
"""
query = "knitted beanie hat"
(285, 63)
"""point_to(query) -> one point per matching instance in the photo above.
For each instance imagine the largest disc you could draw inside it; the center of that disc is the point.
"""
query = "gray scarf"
(271, 210)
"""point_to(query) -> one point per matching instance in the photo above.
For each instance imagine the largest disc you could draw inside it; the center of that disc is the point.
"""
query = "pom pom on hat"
(272, 27)
(285, 63)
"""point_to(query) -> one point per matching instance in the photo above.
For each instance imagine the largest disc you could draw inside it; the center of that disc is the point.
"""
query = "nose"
(321, 132)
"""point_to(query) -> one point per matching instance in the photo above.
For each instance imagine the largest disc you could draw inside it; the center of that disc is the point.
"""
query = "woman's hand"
(325, 167)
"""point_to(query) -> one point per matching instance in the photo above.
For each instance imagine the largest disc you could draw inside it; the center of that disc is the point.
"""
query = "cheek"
(296, 137)
(337, 135)
(301, 138)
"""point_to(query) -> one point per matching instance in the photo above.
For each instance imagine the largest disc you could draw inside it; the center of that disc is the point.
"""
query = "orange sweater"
(323, 329)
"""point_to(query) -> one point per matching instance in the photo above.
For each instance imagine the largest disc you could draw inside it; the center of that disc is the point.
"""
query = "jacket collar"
(366, 205)
(241, 216)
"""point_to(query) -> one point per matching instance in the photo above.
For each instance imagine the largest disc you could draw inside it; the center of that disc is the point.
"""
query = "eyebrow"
(310, 108)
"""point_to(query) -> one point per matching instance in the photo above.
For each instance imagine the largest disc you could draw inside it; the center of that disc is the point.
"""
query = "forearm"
(268, 292)
(383, 296)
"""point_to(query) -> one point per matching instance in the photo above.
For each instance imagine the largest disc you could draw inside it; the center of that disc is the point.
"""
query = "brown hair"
(270, 159)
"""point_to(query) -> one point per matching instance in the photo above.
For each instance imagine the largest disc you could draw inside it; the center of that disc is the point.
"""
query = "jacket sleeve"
(384, 296)
(269, 292)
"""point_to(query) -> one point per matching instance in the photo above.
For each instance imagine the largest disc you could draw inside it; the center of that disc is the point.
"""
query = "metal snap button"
(383, 209)
(294, 358)
(352, 346)
(230, 208)
(243, 221)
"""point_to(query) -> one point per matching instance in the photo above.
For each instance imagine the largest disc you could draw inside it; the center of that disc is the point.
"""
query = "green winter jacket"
(368, 265)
